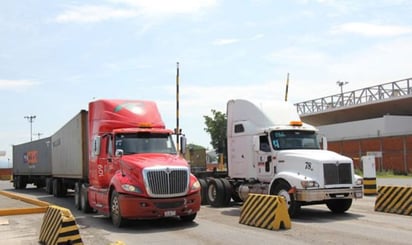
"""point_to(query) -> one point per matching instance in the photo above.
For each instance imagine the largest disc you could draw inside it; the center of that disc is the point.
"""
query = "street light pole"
(341, 84)
(31, 119)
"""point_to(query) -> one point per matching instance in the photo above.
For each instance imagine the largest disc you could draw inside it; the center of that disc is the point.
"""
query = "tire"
(228, 192)
(215, 193)
(19, 183)
(203, 191)
(84, 200)
(236, 197)
(339, 206)
(282, 189)
(59, 189)
(115, 211)
(49, 185)
(77, 195)
(41, 183)
(188, 218)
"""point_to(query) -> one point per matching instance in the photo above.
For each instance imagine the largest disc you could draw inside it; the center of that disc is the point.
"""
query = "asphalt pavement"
(21, 216)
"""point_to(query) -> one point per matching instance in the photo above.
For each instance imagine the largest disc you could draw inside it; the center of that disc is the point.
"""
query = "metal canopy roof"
(393, 98)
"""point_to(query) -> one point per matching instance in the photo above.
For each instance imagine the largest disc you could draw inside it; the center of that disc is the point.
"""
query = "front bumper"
(312, 195)
(133, 207)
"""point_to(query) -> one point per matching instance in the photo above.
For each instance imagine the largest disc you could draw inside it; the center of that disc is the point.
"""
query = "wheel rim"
(286, 195)
(212, 193)
(115, 207)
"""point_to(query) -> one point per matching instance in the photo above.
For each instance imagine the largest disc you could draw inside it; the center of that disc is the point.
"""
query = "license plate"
(170, 213)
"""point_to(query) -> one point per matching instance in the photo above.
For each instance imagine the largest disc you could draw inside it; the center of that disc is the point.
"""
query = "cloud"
(371, 30)
(221, 42)
(90, 13)
(122, 9)
(16, 84)
(166, 7)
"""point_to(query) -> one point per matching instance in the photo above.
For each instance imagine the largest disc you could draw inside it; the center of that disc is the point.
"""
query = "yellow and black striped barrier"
(394, 199)
(265, 211)
(369, 186)
(59, 227)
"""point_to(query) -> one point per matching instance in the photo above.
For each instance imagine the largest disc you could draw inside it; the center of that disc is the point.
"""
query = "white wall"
(387, 125)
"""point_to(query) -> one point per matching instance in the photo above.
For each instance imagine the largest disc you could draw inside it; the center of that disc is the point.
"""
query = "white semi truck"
(271, 151)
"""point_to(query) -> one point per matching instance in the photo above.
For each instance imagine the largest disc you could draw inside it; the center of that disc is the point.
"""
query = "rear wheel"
(339, 206)
(115, 211)
(59, 189)
(19, 182)
(228, 191)
(188, 218)
(215, 193)
(49, 185)
(282, 189)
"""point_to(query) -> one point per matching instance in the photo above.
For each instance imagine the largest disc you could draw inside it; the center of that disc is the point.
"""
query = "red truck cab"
(134, 170)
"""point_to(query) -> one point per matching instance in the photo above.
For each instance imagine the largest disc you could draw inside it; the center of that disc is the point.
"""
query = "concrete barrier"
(369, 186)
(59, 227)
(265, 211)
(394, 199)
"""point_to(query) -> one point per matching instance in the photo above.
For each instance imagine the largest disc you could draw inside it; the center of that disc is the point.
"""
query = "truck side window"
(264, 143)
(239, 128)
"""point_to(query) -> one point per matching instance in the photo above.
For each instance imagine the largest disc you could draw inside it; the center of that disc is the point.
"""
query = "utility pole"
(31, 119)
(177, 107)
(341, 84)
(287, 88)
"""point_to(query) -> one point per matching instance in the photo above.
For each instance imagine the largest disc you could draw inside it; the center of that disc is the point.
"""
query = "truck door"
(264, 159)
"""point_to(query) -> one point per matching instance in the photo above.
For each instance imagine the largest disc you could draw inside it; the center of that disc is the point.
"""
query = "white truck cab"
(270, 151)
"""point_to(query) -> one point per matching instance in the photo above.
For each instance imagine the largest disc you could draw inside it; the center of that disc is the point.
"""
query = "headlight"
(131, 188)
(196, 186)
(358, 180)
(309, 183)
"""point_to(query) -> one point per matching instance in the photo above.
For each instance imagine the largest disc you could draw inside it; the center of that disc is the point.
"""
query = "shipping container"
(32, 163)
(70, 151)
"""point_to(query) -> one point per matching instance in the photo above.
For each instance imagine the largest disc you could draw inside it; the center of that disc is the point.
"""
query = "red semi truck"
(120, 160)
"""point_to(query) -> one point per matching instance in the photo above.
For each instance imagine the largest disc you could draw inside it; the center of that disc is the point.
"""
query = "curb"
(42, 206)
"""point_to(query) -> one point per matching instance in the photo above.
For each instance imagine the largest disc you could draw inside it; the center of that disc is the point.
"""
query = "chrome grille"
(337, 173)
(166, 181)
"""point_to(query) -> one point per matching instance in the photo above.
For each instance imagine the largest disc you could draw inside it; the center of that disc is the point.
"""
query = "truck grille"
(166, 181)
(337, 173)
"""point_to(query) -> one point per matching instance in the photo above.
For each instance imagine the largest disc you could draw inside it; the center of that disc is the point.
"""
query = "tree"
(216, 127)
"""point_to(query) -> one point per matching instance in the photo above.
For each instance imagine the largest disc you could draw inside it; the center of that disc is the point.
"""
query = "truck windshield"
(145, 142)
(294, 139)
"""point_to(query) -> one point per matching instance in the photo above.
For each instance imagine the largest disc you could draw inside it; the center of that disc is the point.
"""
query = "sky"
(57, 56)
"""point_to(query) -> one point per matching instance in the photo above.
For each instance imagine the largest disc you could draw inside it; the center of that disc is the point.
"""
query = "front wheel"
(339, 206)
(282, 189)
(115, 212)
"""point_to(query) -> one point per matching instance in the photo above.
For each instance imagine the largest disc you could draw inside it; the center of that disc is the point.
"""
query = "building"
(375, 121)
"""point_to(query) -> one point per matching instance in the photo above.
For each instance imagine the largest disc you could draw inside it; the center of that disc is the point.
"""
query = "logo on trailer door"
(30, 157)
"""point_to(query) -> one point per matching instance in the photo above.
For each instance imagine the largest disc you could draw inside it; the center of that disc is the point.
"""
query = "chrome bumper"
(310, 195)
